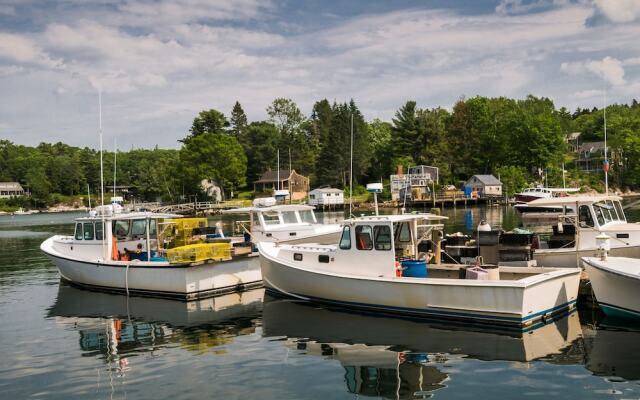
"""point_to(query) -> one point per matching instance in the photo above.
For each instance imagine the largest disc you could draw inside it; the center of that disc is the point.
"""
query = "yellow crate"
(199, 252)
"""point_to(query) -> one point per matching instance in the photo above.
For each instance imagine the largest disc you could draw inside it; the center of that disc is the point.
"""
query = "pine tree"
(238, 121)
(405, 132)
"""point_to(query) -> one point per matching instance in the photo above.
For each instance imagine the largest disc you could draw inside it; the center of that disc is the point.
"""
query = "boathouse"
(485, 186)
(415, 184)
(326, 197)
(296, 184)
(10, 189)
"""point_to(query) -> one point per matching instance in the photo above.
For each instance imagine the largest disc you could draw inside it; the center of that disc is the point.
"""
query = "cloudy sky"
(159, 62)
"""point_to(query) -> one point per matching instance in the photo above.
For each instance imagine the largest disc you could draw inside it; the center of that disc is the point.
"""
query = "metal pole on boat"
(104, 255)
(351, 170)
(605, 165)
(564, 183)
(89, 195)
(115, 163)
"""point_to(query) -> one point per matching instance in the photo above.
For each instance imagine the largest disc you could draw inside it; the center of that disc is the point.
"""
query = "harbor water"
(60, 342)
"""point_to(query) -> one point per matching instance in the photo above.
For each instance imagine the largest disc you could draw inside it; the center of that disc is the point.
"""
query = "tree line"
(521, 140)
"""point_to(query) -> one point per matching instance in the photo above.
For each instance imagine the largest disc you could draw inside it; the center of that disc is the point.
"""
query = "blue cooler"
(414, 268)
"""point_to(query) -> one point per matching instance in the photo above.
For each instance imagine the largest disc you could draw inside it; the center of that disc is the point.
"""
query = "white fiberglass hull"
(519, 303)
(159, 279)
(616, 285)
(570, 258)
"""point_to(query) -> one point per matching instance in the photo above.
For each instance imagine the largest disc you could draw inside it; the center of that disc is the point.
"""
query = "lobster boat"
(391, 264)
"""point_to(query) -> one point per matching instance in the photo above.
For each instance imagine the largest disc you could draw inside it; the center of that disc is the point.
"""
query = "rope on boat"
(126, 279)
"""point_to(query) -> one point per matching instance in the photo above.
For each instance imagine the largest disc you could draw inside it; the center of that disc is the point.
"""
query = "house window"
(364, 239)
(345, 239)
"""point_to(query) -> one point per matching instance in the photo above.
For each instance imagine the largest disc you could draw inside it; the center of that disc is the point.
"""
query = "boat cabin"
(280, 222)
(132, 234)
(371, 245)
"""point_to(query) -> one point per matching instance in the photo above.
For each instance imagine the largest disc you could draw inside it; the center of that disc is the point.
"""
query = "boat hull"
(502, 303)
(183, 281)
(617, 294)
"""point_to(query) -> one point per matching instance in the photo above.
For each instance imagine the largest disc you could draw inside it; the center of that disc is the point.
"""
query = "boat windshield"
(289, 217)
(606, 212)
(271, 218)
(307, 216)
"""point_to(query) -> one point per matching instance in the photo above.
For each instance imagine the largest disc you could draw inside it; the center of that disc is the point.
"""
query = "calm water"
(60, 342)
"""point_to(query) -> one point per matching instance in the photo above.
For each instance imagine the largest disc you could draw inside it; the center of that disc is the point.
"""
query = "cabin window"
(121, 229)
(620, 211)
(88, 230)
(345, 239)
(586, 220)
(79, 235)
(297, 256)
(138, 228)
(271, 218)
(364, 239)
(99, 231)
(153, 227)
(312, 196)
(382, 236)
(289, 217)
(599, 214)
(403, 232)
(307, 216)
(615, 213)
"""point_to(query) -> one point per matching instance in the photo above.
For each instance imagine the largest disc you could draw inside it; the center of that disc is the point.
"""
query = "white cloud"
(587, 94)
(609, 69)
(619, 10)
(159, 66)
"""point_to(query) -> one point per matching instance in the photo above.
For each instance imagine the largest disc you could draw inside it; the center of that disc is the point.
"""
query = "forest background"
(523, 141)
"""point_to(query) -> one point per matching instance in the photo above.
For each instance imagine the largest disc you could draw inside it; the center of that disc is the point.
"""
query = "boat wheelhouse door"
(370, 245)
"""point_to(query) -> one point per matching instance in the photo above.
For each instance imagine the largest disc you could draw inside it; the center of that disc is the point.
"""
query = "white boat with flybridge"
(391, 264)
(524, 198)
(573, 231)
(615, 281)
(293, 223)
(152, 254)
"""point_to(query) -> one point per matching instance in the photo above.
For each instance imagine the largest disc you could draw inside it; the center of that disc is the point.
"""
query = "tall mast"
(351, 169)
(104, 231)
(606, 161)
(278, 168)
(115, 163)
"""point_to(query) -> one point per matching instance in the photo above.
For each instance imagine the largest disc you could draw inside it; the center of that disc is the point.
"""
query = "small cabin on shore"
(485, 186)
(10, 189)
(326, 197)
(296, 184)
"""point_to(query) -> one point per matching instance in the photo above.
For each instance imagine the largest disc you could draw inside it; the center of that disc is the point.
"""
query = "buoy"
(398, 269)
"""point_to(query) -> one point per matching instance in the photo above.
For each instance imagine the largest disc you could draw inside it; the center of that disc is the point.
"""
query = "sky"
(158, 63)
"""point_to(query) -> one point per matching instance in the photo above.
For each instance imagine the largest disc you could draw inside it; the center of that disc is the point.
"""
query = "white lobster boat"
(361, 272)
(575, 230)
(616, 285)
(293, 223)
(91, 258)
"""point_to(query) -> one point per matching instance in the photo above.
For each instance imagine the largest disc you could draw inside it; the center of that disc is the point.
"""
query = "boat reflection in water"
(399, 358)
(612, 348)
(115, 325)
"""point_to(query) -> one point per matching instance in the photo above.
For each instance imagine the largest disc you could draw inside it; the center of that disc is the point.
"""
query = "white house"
(485, 185)
(326, 197)
(416, 182)
(10, 189)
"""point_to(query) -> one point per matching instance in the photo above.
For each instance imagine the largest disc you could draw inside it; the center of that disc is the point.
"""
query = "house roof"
(591, 146)
(327, 190)
(11, 186)
(488, 179)
(272, 176)
(574, 135)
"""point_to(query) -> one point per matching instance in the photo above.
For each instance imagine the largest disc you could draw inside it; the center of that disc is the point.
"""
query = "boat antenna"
(605, 164)
(100, 133)
(89, 195)
(351, 171)
(278, 168)
(101, 174)
(115, 163)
